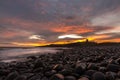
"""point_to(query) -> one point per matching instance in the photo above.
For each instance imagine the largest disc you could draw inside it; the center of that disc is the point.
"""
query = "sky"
(41, 22)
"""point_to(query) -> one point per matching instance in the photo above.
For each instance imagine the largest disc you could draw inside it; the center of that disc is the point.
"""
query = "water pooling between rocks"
(18, 54)
(85, 63)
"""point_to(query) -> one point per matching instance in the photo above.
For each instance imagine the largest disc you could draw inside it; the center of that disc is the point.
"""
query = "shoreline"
(78, 63)
(8, 55)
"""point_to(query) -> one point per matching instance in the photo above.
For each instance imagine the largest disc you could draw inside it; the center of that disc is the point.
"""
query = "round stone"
(38, 64)
(50, 73)
(79, 70)
(12, 76)
(83, 78)
(70, 78)
(58, 67)
(21, 78)
(118, 74)
(118, 61)
(89, 73)
(111, 75)
(57, 77)
(102, 69)
(92, 66)
(113, 67)
(98, 76)
(65, 72)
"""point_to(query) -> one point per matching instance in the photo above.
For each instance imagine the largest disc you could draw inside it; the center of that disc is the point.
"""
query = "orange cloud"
(108, 40)
(8, 34)
(11, 33)
(72, 29)
(28, 44)
(69, 41)
(98, 37)
(62, 29)
(25, 24)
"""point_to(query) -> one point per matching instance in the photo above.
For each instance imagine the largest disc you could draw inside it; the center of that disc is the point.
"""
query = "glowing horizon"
(45, 22)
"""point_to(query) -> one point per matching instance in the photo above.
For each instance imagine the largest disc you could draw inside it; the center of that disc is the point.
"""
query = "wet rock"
(57, 77)
(58, 67)
(89, 73)
(2, 78)
(38, 64)
(92, 66)
(69, 78)
(111, 75)
(4, 72)
(50, 73)
(44, 78)
(77, 63)
(102, 69)
(83, 65)
(28, 75)
(21, 65)
(83, 78)
(113, 67)
(21, 78)
(32, 57)
(12, 76)
(98, 76)
(100, 58)
(3, 65)
(103, 64)
(111, 61)
(118, 60)
(75, 75)
(79, 69)
(65, 72)
(37, 70)
(118, 74)
(35, 77)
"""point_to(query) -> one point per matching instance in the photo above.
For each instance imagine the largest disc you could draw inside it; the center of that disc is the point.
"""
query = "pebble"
(12, 76)
(38, 64)
(58, 67)
(89, 73)
(111, 75)
(98, 76)
(113, 67)
(69, 78)
(4, 72)
(65, 72)
(83, 78)
(57, 77)
(21, 78)
(79, 70)
(118, 61)
(87, 63)
(92, 66)
(102, 69)
(50, 73)
(118, 74)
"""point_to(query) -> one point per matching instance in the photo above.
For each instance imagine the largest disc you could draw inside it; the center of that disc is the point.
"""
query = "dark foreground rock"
(85, 63)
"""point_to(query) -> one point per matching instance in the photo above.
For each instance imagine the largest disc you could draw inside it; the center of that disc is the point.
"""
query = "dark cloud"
(51, 18)
(113, 36)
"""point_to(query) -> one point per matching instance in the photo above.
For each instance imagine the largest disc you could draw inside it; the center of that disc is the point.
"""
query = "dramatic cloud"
(70, 36)
(35, 22)
(36, 37)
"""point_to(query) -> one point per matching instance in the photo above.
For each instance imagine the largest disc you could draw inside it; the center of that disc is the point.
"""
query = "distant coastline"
(82, 44)
(77, 44)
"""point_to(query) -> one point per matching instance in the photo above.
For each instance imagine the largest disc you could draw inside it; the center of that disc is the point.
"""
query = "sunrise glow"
(69, 36)
(45, 22)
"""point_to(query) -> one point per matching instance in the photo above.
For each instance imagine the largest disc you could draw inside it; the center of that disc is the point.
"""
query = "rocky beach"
(77, 63)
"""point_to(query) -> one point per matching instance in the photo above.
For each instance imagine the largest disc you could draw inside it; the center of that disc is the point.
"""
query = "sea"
(19, 54)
